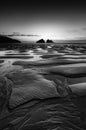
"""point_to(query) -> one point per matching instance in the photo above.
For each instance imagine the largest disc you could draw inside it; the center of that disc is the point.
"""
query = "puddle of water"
(9, 61)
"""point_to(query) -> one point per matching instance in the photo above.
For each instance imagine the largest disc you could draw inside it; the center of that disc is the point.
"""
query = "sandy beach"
(38, 86)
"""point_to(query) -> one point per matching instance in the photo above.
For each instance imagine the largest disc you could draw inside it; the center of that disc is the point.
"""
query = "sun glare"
(45, 31)
(47, 36)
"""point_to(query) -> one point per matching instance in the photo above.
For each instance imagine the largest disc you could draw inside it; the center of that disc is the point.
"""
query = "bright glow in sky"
(43, 19)
(45, 30)
(55, 30)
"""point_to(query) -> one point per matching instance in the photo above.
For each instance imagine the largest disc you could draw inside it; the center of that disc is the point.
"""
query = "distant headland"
(5, 39)
(7, 42)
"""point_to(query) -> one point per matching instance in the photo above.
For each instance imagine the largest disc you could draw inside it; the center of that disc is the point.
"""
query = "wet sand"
(51, 67)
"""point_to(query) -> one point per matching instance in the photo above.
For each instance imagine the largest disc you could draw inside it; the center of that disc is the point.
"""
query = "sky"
(31, 20)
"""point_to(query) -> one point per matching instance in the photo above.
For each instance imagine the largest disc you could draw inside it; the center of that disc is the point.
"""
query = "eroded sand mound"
(79, 89)
(72, 70)
(28, 85)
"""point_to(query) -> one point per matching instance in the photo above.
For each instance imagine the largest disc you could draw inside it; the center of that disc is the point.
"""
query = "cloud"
(19, 34)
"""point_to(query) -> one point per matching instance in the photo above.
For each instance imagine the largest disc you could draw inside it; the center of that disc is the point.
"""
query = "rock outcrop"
(49, 41)
(41, 41)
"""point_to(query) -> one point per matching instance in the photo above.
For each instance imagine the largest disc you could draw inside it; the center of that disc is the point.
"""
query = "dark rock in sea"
(5, 93)
(41, 41)
(49, 41)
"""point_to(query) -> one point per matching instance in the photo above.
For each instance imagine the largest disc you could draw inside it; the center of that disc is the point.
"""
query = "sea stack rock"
(41, 41)
(49, 41)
